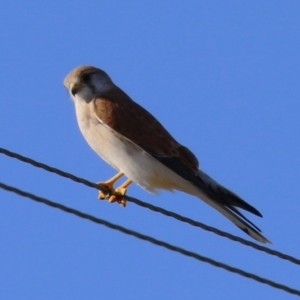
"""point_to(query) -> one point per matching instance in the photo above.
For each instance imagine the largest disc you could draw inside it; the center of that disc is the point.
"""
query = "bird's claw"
(114, 195)
(105, 195)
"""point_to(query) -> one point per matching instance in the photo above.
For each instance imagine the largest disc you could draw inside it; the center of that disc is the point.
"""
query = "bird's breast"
(101, 139)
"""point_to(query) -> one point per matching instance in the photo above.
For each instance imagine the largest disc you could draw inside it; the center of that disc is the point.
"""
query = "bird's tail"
(226, 202)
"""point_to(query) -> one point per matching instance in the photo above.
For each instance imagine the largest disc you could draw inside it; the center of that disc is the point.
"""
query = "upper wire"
(152, 207)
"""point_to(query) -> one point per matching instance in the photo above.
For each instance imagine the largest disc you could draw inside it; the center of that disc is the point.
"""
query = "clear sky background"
(222, 76)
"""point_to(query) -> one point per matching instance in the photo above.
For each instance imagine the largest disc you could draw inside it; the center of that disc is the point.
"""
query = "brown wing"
(116, 109)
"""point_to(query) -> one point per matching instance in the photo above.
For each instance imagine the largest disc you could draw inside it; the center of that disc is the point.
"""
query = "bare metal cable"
(152, 207)
(150, 239)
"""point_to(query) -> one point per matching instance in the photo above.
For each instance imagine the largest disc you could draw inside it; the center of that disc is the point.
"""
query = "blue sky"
(222, 76)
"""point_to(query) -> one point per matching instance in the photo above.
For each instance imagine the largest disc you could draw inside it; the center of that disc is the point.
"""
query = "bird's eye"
(86, 78)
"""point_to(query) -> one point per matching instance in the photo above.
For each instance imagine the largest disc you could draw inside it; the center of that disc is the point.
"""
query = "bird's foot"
(113, 195)
(118, 196)
(110, 190)
(109, 186)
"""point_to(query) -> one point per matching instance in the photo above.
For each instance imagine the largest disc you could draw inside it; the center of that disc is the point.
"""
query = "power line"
(152, 207)
(150, 239)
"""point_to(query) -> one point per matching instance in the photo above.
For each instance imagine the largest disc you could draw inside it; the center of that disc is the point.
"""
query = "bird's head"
(87, 82)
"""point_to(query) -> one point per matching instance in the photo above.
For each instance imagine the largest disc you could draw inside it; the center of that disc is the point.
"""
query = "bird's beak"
(74, 88)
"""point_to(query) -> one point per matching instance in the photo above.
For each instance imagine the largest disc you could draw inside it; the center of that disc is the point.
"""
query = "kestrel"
(133, 142)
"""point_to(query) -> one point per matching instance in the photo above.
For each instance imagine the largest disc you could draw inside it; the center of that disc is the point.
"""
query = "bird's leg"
(119, 193)
(109, 184)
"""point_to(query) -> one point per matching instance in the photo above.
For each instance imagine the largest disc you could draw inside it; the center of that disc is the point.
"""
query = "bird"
(130, 139)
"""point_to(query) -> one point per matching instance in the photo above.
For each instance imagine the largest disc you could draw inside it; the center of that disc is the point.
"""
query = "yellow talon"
(114, 195)
(109, 185)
